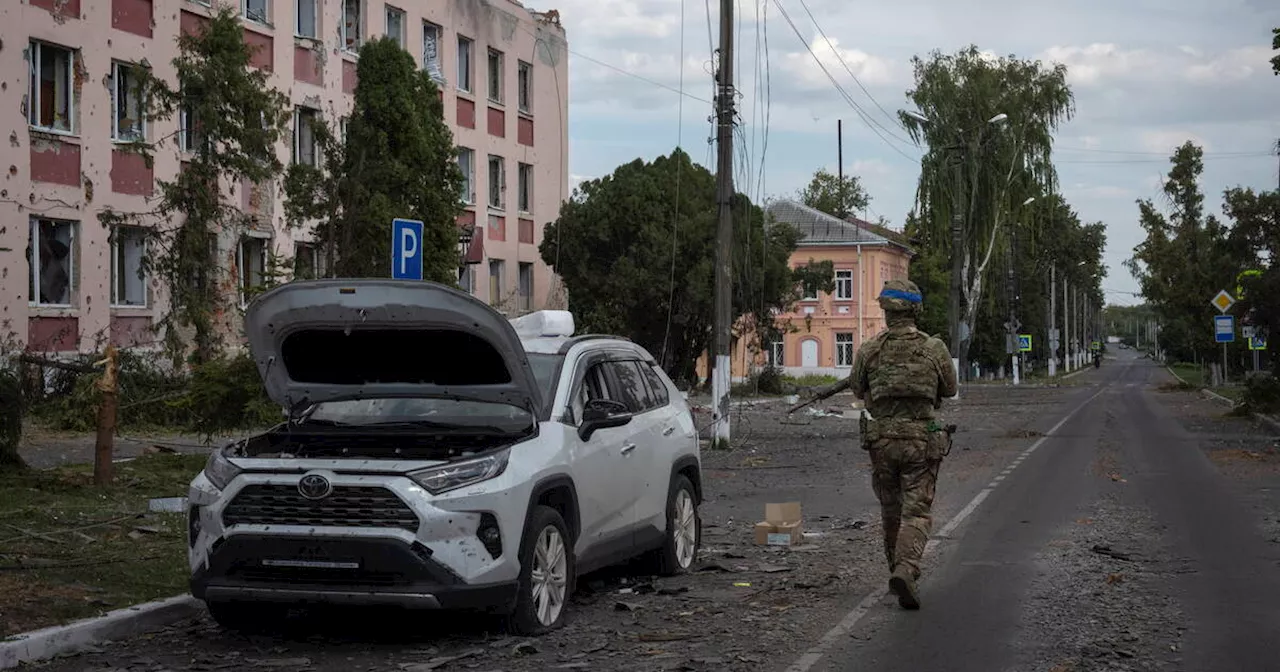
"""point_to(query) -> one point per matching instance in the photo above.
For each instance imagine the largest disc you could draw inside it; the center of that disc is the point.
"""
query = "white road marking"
(842, 629)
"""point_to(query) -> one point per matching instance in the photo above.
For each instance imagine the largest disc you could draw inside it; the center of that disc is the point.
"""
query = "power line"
(675, 214)
(848, 99)
(857, 81)
(642, 77)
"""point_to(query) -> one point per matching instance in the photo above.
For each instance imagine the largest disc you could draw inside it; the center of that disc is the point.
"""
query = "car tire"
(246, 616)
(683, 536)
(546, 568)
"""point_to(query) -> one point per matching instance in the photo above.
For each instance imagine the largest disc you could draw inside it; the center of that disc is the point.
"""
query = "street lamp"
(961, 148)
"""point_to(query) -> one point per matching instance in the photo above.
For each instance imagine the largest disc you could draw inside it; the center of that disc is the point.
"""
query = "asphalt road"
(1114, 545)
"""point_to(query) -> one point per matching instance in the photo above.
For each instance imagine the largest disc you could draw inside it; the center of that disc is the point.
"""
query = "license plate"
(310, 564)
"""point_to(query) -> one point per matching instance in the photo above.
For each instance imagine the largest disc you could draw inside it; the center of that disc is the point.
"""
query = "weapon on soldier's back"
(831, 390)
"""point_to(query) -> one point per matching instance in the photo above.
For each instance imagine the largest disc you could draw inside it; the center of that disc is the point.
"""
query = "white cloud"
(1165, 141)
(870, 70)
(1101, 64)
(1233, 66)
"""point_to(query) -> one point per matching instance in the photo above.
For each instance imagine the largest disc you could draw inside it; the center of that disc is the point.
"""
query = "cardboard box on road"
(781, 525)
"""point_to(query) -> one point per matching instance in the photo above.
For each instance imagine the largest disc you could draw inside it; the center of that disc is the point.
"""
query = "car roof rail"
(564, 348)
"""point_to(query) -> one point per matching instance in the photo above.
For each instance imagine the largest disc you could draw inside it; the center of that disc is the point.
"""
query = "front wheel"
(546, 574)
(684, 529)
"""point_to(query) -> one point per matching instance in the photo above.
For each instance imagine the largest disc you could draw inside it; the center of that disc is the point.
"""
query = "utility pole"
(840, 167)
(1053, 331)
(957, 265)
(721, 376)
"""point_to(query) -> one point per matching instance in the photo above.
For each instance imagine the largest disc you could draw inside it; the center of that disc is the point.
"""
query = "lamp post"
(958, 151)
(1015, 352)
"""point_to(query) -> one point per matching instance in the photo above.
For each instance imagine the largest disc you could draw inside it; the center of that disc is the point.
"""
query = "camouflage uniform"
(902, 375)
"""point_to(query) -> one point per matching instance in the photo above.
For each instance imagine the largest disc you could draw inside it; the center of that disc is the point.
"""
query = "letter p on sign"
(406, 249)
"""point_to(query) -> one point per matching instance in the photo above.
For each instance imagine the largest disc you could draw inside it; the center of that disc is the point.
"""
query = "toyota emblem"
(314, 486)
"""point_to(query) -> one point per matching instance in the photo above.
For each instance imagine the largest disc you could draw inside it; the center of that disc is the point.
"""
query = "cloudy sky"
(1147, 75)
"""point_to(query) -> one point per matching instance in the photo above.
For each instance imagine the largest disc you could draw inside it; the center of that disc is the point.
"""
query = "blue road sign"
(406, 249)
(1224, 328)
(1024, 342)
(1257, 342)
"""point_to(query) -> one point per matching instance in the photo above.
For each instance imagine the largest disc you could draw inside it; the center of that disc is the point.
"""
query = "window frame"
(351, 44)
(844, 284)
(264, 20)
(777, 353)
(243, 285)
(495, 81)
(525, 300)
(465, 65)
(35, 49)
(33, 272)
(843, 346)
(495, 289)
(387, 12)
(117, 267)
(116, 68)
(468, 174)
(524, 187)
(299, 112)
(500, 184)
(428, 28)
(311, 249)
(315, 19)
(524, 87)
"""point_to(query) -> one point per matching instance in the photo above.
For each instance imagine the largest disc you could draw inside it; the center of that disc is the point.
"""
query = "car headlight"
(458, 474)
(219, 469)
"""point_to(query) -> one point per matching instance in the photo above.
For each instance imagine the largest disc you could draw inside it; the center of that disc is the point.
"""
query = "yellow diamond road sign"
(1222, 301)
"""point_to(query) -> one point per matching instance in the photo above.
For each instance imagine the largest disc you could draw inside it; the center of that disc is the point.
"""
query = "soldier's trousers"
(904, 474)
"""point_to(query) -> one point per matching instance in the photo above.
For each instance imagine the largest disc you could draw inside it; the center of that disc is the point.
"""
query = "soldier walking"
(902, 375)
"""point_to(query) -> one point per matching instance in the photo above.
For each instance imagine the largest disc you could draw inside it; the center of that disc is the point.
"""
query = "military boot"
(903, 584)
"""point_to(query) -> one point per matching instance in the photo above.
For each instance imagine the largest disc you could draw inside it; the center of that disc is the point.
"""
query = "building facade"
(69, 284)
(821, 334)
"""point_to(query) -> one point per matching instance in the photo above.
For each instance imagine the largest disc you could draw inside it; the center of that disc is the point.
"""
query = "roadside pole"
(104, 447)
(721, 375)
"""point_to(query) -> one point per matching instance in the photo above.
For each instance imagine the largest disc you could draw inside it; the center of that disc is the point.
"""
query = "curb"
(79, 635)
(1265, 419)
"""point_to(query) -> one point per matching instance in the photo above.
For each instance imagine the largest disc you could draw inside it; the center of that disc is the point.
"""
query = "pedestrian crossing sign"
(1257, 342)
(1024, 342)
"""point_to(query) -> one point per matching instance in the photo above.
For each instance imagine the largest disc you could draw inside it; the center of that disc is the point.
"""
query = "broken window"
(189, 138)
(304, 135)
(306, 19)
(395, 25)
(464, 64)
(51, 101)
(497, 181)
(352, 24)
(431, 61)
(128, 118)
(525, 286)
(524, 83)
(495, 75)
(251, 259)
(307, 262)
(467, 164)
(467, 279)
(255, 10)
(51, 260)
(524, 187)
(495, 282)
(128, 274)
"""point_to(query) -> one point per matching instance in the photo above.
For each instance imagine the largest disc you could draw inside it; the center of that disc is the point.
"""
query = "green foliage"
(613, 246)
(221, 395)
(12, 405)
(977, 170)
(815, 276)
(1261, 394)
(1185, 259)
(398, 160)
(1275, 45)
(836, 197)
(237, 120)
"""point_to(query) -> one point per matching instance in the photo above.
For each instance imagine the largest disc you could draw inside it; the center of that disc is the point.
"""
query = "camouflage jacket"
(903, 373)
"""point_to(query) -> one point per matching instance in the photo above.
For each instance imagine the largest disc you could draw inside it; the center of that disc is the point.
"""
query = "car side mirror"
(602, 414)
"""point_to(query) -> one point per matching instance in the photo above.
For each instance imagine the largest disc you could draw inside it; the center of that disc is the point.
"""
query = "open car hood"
(328, 340)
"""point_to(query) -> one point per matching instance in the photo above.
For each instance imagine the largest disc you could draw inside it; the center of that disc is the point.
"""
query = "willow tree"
(989, 124)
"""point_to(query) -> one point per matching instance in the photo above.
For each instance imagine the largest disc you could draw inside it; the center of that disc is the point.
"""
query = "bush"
(12, 404)
(1261, 394)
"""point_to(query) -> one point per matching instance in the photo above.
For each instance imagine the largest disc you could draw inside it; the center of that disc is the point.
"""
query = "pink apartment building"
(67, 284)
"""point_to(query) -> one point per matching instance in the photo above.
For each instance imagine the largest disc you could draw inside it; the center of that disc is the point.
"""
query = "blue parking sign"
(406, 249)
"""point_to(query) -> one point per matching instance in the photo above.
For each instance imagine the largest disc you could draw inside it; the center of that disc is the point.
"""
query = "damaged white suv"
(439, 456)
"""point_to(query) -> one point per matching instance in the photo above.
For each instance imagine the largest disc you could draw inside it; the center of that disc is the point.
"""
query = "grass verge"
(69, 550)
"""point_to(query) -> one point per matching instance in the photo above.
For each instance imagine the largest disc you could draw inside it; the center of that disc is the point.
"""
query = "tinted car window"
(632, 387)
(657, 388)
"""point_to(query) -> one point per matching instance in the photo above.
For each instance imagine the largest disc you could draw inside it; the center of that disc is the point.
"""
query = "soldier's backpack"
(901, 367)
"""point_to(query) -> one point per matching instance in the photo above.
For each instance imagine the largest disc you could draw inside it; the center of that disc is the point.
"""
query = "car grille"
(346, 506)
(318, 577)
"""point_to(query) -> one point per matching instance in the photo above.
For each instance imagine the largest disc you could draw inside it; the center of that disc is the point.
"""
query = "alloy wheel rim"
(685, 529)
(549, 575)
